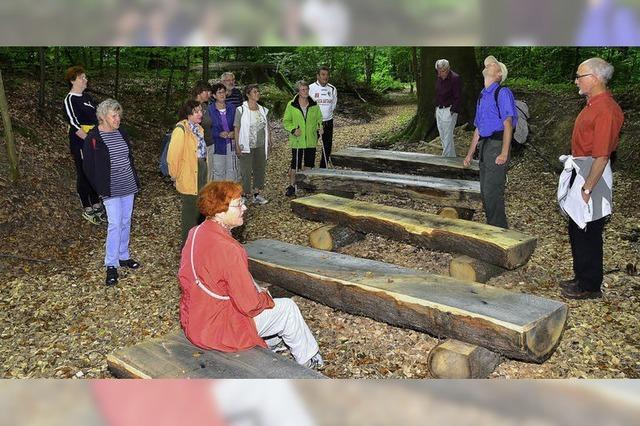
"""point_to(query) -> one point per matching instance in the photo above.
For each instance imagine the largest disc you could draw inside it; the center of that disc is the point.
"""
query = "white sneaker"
(316, 362)
(259, 199)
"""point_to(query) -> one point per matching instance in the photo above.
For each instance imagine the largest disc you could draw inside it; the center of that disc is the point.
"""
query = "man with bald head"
(495, 121)
(595, 138)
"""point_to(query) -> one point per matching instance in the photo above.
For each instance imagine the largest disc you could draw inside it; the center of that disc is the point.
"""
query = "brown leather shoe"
(575, 292)
(568, 283)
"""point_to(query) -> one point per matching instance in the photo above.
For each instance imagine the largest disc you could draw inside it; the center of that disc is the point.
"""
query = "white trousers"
(285, 322)
(446, 124)
(210, 163)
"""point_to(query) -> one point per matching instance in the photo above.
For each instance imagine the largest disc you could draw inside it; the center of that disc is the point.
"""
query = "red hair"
(216, 196)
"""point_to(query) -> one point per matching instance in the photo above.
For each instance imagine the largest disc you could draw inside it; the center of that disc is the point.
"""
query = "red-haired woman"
(222, 307)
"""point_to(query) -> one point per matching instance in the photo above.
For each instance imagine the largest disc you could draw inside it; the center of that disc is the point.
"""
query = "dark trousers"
(327, 142)
(586, 250)
(190, 215)
(493, 178)
(88, 196)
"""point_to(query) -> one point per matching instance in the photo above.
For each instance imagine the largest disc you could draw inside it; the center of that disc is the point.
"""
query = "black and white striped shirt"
(122, 180)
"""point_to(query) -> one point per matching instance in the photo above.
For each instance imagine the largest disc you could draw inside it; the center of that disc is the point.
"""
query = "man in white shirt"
(326, 96)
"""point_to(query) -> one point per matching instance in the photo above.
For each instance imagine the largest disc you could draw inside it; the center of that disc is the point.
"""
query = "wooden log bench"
(466, 268)
(517, 325)
(333, 237)
(463, 194)
(503, 247)
(414, 163)
(173, 356)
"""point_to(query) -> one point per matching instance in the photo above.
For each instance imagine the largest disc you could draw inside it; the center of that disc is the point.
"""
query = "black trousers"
(327, 142)
(88, 196)
(586, 250)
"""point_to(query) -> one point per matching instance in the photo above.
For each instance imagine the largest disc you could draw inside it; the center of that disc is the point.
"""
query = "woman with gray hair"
(108, 164)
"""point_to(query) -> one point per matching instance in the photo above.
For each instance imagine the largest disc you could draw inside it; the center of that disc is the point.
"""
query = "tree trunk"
(463, 62)
(167, 98)
(41, 52)
(205, 63)
(369, 63)
(101, 59)
(14, 172)
(117, 80)
(185, 77)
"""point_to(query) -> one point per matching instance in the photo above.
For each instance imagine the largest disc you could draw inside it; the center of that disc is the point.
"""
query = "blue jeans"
(119, 210)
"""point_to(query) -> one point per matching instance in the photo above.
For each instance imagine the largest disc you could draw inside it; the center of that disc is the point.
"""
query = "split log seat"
(414, 163)
(517, 325)
(503, 247)
(438, 191)
(173, 356)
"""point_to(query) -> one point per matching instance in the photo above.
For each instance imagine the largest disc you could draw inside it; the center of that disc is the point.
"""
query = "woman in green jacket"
(303, 121)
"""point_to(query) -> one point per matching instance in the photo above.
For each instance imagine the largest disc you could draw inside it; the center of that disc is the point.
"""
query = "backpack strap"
(495, 97)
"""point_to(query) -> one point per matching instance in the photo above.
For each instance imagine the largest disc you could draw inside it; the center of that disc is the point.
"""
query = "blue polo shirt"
(487, 120)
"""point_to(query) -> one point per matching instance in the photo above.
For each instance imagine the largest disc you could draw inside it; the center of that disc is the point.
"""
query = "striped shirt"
(122, 180)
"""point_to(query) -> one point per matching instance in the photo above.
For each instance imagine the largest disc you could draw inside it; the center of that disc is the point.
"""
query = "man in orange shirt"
(594, 139)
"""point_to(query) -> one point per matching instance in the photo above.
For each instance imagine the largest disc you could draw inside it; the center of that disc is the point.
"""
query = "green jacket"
(293, 118)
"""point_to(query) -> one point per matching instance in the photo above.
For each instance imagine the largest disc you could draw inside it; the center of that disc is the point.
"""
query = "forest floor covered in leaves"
(58, 319)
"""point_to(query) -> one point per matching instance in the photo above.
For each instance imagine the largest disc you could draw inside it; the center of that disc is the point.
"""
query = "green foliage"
(274, 99)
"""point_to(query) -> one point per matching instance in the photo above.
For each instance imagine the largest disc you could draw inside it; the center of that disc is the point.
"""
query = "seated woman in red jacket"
(222, 307)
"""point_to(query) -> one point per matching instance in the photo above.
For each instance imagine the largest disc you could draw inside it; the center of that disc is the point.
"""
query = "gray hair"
(602, 69)
(442, 64)
(301, 83)
(227, 74)
(108, 106)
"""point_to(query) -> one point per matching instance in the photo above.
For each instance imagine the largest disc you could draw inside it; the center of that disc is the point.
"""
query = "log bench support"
(467, 268)
(454, 359)
(456, 213)
(333, 237)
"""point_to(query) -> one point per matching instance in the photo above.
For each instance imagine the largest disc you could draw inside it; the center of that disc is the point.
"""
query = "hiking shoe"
(290, 192)
(259, 200)
(101, 214)
(315, 363)
(112, 276)
(568, 283)
(130, 263)
(91, 217)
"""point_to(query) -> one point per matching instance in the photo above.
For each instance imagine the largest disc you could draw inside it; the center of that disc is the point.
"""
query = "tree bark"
(14, 172)
(41, 52)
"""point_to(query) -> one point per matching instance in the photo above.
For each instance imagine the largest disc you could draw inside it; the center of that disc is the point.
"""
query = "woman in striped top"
(80, 112)
(108, 164)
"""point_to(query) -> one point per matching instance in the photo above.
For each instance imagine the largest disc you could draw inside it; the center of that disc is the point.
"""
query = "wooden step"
(439, 191)
(415, 163)
(503, 247)
(517, 325)
(173, 356)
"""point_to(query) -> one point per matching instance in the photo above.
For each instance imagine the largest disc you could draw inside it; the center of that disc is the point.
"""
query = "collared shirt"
(488, 120)
(449, 91)
(597, 128)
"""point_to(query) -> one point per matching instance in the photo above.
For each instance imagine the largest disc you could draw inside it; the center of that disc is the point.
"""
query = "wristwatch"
(586, 191)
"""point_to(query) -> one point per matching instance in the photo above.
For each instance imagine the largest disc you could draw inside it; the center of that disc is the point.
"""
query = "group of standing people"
(585, 189)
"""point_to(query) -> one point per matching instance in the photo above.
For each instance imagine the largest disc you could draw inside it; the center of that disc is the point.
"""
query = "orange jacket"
(222, 266)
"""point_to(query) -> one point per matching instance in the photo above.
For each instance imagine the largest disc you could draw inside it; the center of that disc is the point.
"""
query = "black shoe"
(112, 276)
(291, 191)
(568, 283)
(576, 292)
(130, 263)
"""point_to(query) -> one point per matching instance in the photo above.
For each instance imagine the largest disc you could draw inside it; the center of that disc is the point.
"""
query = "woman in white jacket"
(252, 144)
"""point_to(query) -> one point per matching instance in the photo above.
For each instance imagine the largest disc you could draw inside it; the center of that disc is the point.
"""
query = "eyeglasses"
(239, 205)
(579, 76)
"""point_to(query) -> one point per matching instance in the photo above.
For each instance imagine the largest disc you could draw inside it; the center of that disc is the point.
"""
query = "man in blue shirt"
(495, 123)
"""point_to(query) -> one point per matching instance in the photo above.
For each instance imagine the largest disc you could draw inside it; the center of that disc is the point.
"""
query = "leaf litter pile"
(58, 319)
